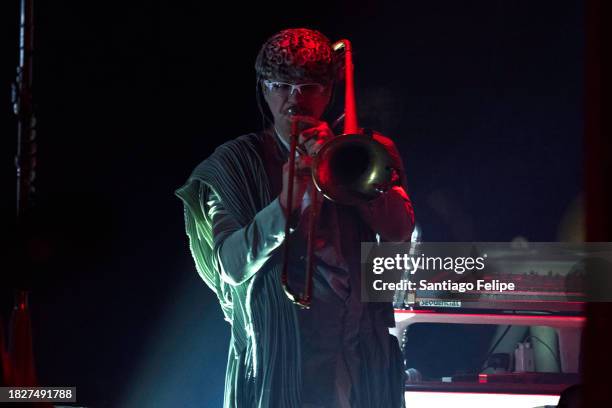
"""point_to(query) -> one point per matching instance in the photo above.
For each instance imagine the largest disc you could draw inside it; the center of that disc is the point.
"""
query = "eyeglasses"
(288, 89)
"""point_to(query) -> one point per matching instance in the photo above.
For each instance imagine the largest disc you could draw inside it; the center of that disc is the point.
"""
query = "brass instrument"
(349, 169)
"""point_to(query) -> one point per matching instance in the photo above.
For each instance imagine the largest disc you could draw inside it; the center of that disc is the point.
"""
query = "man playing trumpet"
(337, 353)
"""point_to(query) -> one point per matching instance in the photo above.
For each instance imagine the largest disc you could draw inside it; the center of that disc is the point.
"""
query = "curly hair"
(297, 54)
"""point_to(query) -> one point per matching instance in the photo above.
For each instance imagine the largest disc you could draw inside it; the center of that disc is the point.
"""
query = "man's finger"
(308, 134)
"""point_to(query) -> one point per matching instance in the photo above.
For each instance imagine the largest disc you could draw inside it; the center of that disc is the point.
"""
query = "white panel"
(473, 400)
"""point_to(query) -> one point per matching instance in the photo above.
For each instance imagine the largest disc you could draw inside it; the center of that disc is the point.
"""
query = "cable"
(555, 356)
(495, 346)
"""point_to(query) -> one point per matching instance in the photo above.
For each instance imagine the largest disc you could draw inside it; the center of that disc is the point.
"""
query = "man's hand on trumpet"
(314, 134)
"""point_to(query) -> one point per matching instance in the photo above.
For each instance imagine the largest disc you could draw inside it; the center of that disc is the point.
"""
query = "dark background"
(483, 98)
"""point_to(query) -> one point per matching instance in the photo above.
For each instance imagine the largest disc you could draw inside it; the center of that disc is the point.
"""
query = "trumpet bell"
(352, 169)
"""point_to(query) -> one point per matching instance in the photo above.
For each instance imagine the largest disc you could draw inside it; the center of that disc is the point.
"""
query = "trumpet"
(350, 169)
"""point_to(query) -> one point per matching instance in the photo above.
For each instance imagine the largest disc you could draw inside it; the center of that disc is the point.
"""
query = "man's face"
(286, 98)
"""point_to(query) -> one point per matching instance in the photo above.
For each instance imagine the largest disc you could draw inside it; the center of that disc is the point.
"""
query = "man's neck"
(284, 135)
(284, 140)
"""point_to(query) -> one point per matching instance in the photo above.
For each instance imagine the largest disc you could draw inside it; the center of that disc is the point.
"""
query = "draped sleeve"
(198, 226)
(264, 361)
(242, 250)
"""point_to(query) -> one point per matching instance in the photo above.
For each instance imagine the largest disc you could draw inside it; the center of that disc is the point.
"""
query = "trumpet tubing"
(350, 169)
